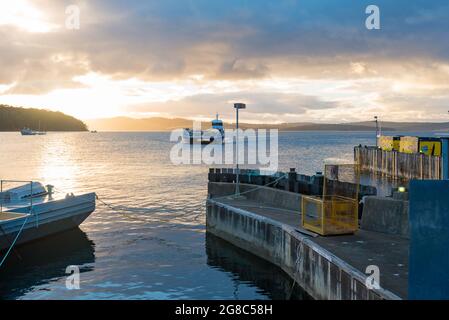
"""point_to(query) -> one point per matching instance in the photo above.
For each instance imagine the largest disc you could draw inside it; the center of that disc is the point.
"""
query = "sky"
(289, 60)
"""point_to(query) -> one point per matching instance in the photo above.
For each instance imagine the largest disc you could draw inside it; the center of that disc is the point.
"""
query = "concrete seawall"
(273, 233)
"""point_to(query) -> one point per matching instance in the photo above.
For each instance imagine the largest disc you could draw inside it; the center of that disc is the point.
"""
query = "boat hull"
(200, 137)
(49, 218)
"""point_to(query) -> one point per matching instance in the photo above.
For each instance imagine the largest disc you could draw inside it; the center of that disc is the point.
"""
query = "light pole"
(237, 107)
(376, 119)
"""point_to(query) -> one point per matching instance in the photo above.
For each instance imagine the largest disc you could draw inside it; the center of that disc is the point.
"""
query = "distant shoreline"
(13, 119)
(281, 131)
(157, 124)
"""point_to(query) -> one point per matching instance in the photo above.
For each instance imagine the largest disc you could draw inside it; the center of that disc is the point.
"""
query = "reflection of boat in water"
(42, 261)
(246, 267)
(215, 134)
(30, 212)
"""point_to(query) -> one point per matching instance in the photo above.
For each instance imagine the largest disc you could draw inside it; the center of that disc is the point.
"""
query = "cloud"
(262, 106)
(291, 57)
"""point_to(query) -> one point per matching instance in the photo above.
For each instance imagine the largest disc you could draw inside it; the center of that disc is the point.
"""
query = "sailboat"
(30, 132)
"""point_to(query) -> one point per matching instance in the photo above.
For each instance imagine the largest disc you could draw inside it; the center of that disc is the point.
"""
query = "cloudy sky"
(289, 60)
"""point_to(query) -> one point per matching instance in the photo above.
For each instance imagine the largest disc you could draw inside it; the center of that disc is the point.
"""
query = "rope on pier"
(125, 211)
(252, 190)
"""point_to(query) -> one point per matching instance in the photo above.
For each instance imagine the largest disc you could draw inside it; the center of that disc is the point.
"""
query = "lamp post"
(237, 107)
(376, 119)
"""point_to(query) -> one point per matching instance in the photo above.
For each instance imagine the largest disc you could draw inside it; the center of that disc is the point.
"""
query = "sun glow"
(22, 14)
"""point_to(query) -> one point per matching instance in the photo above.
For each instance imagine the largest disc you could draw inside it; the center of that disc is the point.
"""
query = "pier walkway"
(388, 252)
(253, 225)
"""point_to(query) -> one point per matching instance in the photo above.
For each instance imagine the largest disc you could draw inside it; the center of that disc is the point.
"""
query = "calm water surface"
(160, 249)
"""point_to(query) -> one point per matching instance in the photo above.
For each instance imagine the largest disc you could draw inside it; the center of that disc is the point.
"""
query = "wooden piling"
(398, 164)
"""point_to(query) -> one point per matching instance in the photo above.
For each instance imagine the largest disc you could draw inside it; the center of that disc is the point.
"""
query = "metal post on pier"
(237, 107)
(445, 158)
(376, 119)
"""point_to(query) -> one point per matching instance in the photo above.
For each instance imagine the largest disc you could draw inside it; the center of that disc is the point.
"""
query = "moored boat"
(30, 132)
(31, 212)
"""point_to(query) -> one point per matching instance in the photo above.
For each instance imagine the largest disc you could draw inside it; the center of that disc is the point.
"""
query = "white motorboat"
(31, 212)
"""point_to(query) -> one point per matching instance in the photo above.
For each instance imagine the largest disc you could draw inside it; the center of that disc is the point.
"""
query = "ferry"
(214, 135)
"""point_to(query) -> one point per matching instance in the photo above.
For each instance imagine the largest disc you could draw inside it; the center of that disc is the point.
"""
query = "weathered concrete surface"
(326, 267)
(250, 268)
(274, 197)
(386, 215)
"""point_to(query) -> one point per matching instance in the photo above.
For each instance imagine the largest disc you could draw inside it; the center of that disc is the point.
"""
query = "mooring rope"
(14, 242)
(252, 190)
(127, 210)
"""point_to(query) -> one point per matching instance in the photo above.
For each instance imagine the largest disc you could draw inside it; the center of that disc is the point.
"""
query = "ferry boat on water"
(214, 135)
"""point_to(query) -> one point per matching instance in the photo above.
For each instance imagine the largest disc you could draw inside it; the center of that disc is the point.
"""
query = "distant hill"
(130, 124)
(14, 119)
(166, 124)
(408, 126)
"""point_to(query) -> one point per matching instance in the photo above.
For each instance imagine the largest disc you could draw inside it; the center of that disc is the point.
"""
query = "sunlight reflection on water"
(164, 254)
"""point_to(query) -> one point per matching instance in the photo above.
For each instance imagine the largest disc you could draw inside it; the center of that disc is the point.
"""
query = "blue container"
(429, 240)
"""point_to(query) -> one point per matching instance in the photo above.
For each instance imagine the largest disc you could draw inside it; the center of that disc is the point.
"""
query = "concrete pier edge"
(357, 278)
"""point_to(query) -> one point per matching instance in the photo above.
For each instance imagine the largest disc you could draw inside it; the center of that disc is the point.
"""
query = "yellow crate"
(409, 145)
(389, 143)
(331, 215)
(385, 143)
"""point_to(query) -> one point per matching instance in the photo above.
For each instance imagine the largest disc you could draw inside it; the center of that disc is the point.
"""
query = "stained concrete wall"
(316, 270)
(267, 195)
(386, 215)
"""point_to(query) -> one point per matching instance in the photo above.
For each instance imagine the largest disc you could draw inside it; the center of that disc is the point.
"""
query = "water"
(161, 252)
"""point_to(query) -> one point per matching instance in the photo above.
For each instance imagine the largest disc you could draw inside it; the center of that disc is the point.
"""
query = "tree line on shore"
(15, 119)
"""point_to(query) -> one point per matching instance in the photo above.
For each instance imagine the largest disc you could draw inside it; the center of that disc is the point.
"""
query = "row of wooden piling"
(397, 164)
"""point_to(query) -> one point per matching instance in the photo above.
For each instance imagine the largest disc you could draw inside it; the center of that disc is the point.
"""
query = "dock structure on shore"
(397, 164)
(266, 221)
